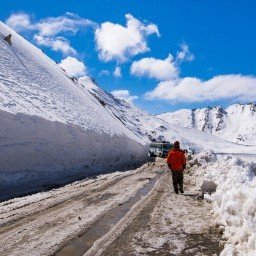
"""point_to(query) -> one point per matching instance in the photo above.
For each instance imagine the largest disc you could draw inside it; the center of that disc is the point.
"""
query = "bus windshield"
(167, 146)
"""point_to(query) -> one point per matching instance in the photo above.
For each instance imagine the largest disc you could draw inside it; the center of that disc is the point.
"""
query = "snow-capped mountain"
(151, 128)
(237, 123)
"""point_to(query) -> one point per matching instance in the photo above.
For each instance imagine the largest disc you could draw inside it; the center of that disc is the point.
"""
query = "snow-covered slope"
(50, 128)
(150, 128)
(237, 123)
(147, 127)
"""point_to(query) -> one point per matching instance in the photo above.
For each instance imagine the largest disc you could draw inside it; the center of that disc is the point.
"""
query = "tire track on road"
(169, 225)
(105, 225)
(11, 219)
(121, 243)
(61, 220)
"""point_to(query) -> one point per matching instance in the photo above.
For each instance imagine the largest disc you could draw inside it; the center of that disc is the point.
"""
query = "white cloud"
(57, 44)
(73, 66)
(117, 72)
(117, 42)
(70, 22)
(155, 68)
(19, 21)
(104, 72)
(184, 54)
(190, 89)
(124, 95)
(51, 30)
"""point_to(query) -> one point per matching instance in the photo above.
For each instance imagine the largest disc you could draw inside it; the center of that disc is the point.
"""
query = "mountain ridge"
(235, 123)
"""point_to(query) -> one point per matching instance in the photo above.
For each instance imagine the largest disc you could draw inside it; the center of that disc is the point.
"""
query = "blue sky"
(211, 46)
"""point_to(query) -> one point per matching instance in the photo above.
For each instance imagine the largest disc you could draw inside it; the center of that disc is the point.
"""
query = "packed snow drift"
(234, 203)
(52, 129)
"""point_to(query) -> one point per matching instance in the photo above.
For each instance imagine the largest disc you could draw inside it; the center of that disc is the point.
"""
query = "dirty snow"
(179, 224)
(234, 201)
(27, 223)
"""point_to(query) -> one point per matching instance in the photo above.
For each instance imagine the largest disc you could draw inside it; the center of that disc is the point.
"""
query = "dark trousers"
(177, 180)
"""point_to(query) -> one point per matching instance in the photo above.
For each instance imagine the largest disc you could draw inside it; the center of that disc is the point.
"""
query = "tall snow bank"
(51, 129)
(234, 201)
(36, 152)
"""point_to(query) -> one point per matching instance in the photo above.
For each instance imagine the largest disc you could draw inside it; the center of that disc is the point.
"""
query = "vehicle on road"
(159, 149)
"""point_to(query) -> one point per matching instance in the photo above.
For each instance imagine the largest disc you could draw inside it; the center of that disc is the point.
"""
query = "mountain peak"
(235, 123)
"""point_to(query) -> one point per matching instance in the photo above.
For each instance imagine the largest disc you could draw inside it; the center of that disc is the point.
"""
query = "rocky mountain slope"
(151, 128)
(237, 123)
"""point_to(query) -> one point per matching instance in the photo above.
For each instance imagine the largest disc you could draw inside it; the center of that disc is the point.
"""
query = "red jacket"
(176, 160)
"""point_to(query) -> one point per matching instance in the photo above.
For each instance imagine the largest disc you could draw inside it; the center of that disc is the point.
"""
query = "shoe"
(176, 191)
(181, 190)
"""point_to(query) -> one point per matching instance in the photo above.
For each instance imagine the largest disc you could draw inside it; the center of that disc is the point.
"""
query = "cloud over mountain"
(117, 42)
(73, 66)
(155, 68)
(191, 89)
(51, 31)
(124, 95)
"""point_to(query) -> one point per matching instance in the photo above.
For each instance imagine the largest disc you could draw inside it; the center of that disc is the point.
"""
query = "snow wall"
(35, 152)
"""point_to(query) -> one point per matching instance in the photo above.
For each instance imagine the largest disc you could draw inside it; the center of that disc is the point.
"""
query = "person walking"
(176, 161)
